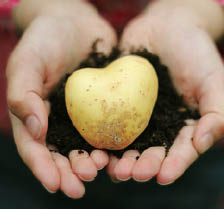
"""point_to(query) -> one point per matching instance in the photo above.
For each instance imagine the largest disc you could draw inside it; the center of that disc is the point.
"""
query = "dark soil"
(167, 119)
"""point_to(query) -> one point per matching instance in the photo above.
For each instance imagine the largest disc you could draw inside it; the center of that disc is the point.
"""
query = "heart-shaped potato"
(111, 106)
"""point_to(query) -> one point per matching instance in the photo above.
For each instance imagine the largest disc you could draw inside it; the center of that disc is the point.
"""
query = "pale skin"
(55, 41)
(182, 34)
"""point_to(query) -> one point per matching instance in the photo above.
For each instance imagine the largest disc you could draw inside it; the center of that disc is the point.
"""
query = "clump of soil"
(167, 119)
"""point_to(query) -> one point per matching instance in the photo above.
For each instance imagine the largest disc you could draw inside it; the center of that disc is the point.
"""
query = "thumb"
(210, 127)
(25, 75)
(136, 36)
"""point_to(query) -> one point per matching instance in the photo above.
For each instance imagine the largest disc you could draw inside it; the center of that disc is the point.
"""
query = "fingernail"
(76, 198)
(116, 181)
(205, 143)
(125, 179)
(52, 192)
(166, 183)
(78, 154)
(86, 180)
(141, 181)
(101, 168)
(33, 125)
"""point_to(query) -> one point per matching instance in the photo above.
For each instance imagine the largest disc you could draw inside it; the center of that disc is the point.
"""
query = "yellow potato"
(111, 106)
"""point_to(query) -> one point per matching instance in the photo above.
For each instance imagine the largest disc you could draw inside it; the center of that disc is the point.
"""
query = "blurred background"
(201, 187)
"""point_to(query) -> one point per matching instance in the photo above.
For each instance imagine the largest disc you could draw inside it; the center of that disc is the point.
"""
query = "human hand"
(182, 34)
(58, 37)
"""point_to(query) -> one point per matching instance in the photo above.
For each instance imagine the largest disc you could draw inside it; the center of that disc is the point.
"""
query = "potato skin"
(111, 107)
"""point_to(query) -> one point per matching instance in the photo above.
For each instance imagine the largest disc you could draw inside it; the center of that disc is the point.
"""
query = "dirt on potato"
(167, 119)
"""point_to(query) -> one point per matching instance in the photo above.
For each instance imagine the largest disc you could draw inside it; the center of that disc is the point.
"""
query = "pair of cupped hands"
(60, 35)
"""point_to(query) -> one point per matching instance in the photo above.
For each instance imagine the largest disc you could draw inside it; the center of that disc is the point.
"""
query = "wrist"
(73, 10)
(25, 12)
(205, 14)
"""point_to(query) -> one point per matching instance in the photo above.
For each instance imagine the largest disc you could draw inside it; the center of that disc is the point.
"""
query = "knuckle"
(62, 161)
(14, 102)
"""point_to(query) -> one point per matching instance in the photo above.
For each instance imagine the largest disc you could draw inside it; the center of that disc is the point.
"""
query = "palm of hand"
(197, 73)
(50, 48)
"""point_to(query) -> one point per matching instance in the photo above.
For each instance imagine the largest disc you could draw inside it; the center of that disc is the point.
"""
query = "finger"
(47, 106)
(124, 167)
(113, 161)
(191, 122)
(82, 165)
(209, 130)
(100, 158)
(105, 35)
(70, 183)
(136, 36)
(181, 155)
(25, 74)
(211, 125)
(149, 163)
(36, 156)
